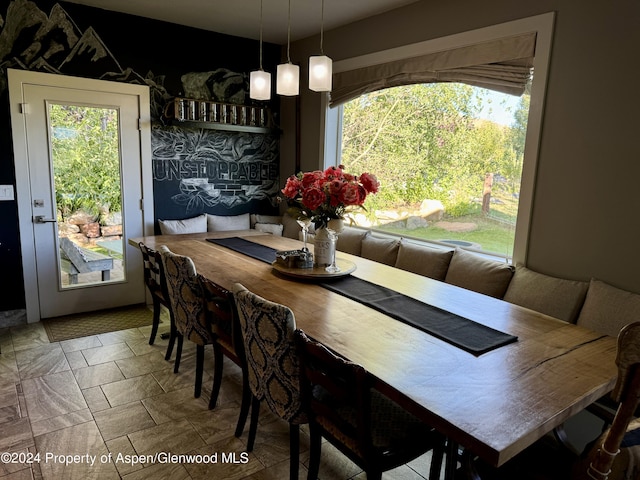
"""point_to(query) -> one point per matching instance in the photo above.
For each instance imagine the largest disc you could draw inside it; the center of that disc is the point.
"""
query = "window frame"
(331, 121)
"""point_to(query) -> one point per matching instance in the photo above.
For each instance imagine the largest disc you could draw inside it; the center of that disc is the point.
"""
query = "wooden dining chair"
(155, 281)
(272, 365)
(188, 307)
(615, 455)
(344, 407)
(227, 341)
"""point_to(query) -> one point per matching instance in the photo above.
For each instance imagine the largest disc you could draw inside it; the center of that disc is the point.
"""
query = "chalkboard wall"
(195, 170)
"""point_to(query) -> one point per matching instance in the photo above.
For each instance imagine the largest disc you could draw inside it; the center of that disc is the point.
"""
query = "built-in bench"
(76, 259)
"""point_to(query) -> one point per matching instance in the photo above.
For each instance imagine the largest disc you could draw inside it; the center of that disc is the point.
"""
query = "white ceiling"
(242, 17)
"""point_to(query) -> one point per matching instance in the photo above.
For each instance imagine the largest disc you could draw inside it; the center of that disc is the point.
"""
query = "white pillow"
(186, 225)
(270, 228)
(258, 218)
(222, 223)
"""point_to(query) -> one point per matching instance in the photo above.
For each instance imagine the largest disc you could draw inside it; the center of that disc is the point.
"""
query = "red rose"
(292, 187)
(369, 182)
(311, 178)
(352, 194)
(332, 173)
(313, 197)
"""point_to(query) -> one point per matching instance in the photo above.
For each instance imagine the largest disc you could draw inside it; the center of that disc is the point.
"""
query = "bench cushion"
(607, 309)
(381, 250)
(423, 260)
(223, 223)
(186, 225)
(552, 296)
(481, 275)
(273, 228)
(350, 240)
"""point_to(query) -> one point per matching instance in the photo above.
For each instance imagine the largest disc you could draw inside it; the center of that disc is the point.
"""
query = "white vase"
(323, 247)
(322, 253)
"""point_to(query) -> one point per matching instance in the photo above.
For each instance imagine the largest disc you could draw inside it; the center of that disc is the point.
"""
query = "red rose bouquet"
(322, 196)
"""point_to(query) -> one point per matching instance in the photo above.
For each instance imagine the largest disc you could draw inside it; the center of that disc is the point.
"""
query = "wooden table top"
(495, 404)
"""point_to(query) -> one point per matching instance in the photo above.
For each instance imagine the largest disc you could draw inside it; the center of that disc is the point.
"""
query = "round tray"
(346, 267)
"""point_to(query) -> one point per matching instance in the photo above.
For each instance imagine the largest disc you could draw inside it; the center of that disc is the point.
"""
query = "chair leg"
(244, 407)
(437, 456)
(199, 369)
(294, 451)
(315, 447)
(156, 320)
(172, 339)
(217, 375)
(253, 424)
(176, 365)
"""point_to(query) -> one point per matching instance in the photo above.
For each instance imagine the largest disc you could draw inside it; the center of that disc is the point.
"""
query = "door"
(84, 165)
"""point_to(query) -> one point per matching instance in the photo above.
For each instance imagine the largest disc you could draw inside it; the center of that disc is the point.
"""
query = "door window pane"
(87, 187)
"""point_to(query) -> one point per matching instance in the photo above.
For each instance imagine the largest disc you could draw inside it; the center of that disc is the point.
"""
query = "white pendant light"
(320, 66)
(288, 74)
(259, 80)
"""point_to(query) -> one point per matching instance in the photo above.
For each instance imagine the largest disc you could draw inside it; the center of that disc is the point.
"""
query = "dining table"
(492, 403)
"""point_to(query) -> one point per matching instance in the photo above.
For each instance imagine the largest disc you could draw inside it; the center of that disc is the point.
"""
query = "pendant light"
(320, 66)
(259, 80)
(288, 74)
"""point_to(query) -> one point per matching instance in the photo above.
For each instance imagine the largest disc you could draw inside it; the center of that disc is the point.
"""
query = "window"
(367, 81)
(449, 159)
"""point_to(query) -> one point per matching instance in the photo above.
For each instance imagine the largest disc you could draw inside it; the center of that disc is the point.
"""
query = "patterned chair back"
(186, 297)
(272, 361)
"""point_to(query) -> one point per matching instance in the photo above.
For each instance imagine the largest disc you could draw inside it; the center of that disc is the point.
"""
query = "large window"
(449, 159)
(417, 116)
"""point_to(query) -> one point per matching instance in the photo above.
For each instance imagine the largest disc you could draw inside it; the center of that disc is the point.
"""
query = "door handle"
(43, 219)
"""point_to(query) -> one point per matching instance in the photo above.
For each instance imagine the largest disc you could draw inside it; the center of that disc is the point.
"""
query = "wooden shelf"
(224, 126)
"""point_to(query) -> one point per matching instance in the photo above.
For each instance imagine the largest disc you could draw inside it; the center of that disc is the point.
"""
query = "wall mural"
(194, 170)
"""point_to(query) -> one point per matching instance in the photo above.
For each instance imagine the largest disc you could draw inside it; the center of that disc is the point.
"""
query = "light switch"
(6, 192)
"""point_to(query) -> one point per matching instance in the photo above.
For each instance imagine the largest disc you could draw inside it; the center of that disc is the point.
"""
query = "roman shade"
(502, 64)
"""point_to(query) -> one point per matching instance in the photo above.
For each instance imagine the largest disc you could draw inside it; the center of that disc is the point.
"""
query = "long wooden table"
(495, 404)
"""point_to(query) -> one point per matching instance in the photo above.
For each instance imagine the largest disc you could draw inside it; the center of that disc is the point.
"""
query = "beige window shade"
(504, 65)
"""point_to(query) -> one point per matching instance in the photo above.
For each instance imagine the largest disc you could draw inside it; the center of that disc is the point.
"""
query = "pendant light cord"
(289, 34)
(322, 29)
(260, 34)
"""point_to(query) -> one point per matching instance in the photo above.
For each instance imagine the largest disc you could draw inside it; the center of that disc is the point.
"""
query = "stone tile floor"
(113, 400)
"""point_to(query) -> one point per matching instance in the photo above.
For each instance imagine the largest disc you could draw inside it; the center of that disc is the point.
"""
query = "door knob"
(43, 219)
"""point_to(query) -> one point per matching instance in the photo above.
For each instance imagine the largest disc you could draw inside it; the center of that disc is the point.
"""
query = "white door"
(85, 179)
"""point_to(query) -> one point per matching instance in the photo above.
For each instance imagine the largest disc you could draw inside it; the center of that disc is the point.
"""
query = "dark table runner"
(466, 334)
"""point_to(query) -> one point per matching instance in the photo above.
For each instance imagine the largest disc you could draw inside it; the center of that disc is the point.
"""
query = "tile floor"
(113, 400)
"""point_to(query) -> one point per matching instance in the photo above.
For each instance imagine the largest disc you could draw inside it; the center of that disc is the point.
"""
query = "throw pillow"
(381, 250)
(186, 225)
(552, 296)
(479, 274)
(607, 309)
(269, 228)
(350, 240)
(222, 223)
(424, 260)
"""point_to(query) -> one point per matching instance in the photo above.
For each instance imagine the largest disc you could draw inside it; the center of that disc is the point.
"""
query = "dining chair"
(155, 281)
(345, 407)
(187, 304)
(614, 455)
(227, 341)
(272, 365)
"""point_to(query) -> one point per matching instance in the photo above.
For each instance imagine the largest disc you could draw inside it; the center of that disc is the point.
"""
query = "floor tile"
(16, 435)
(76, 360)
(107, 353)
(232, 461)
(122, 420)
(176, 437)
(83, 440)
(95, 399)
(120, 448)
(131, 389)
(28, 336)
(160, 472)
(122, 336)
(41, 360)
(77, 344)
(52, 395)
(100, 374)
(61, 421)
(142, 364)
(175, 405)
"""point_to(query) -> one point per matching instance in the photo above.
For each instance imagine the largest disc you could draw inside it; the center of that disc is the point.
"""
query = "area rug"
(93, 323)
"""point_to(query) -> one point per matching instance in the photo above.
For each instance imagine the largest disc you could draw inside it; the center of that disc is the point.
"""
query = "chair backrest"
(337, 394)
(223, 317)
(153, 272)
(627, 393)
(272, 361)
(185, 297)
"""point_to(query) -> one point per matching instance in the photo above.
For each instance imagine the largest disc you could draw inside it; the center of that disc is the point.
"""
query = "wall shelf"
(192, 113)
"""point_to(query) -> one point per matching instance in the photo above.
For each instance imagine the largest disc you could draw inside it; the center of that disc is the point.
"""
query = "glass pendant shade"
(320, 73)
(260, 85)
(288, 82)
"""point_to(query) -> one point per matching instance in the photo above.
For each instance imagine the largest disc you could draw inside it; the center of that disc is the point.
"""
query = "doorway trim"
(18, 78)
